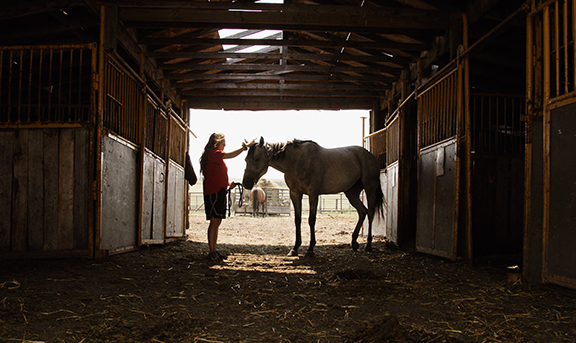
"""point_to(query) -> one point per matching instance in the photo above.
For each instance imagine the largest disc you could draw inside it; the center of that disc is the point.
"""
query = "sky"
(330, 129)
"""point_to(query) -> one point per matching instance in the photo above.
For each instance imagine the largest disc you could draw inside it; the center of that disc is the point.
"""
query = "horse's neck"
(278, 157)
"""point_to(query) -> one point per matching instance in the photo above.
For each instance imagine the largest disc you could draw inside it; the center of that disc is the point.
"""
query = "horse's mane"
(278, 150)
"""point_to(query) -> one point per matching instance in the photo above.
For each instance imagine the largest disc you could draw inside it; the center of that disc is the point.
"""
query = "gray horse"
(313, 170)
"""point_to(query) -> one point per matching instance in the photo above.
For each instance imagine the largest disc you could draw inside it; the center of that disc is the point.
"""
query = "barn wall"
(44, 187)
(380, 223)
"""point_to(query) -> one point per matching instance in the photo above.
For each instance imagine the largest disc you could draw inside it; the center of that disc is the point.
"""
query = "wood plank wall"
(44, 192)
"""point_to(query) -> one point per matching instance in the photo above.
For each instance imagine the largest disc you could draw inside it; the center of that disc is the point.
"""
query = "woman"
(216, 183)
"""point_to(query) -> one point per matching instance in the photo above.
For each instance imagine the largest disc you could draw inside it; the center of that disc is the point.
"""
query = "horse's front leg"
(297, 202)
(312, 223)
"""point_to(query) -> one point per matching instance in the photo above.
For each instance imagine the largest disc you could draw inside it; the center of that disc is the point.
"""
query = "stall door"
(154, 201)
(436, 232)
(560, 235)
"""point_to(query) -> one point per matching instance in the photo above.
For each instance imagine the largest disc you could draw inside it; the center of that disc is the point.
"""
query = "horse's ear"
(261, 141)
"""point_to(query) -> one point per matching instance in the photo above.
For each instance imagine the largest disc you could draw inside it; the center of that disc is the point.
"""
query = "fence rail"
(328, 203)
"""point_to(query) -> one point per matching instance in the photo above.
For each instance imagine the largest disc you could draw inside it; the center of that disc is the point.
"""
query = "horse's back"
(344, 166)
(352, 157)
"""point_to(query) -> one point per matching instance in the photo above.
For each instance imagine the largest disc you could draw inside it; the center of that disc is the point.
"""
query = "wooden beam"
(277, 56)
(329, 18)
(284, 42)
(334, 77)
(280, 103)
(277, 67)
(278, 85)
(282, 92)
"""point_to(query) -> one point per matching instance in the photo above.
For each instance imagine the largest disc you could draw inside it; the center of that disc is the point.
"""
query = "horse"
(313, 170)
(257, 196)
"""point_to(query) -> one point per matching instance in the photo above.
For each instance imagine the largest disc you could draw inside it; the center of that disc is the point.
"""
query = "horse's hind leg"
(297, 202)
(353, 195)
(371, 213)
(312, 222)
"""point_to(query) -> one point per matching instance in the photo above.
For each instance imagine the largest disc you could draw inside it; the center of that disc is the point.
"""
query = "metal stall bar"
(35, 91)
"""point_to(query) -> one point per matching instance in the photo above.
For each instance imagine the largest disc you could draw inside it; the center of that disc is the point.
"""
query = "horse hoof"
(310, 254)
(293, 253)
(355, 246)
(368, 248)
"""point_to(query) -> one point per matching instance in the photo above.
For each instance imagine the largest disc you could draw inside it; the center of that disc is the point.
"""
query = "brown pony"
(257, 196)
(313, 170)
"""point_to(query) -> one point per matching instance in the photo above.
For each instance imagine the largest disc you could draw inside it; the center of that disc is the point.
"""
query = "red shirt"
(216, 176)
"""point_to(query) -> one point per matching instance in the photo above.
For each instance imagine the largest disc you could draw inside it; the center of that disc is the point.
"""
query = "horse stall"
(549, 238)
(47, 99)
(470, 189)
(439, 163)
(75, 178)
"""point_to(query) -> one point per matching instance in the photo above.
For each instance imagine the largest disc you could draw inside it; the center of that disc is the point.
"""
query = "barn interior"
(321, 55)
(63, 64)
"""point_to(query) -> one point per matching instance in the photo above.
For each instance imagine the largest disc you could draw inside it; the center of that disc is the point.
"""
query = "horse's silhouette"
(313, 170)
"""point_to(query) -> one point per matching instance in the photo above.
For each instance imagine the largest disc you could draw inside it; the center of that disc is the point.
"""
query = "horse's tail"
(379, 200)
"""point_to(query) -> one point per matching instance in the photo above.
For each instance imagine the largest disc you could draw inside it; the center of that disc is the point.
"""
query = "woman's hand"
(247, 144)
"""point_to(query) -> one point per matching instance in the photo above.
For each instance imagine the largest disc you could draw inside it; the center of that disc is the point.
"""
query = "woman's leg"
(213, 233)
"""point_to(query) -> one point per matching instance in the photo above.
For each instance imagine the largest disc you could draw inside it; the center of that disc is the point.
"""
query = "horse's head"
(257, 163)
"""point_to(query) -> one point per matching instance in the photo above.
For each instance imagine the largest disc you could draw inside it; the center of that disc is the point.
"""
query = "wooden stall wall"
(377, 144)
(551, 99)
(46, 111)
(142, 173)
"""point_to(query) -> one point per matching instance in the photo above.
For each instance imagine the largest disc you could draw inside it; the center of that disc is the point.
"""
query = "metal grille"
(438, 107)
(123, 101)
(177, 141)
(156, 129)
(46, 84)
(393, 141)
(377, 146)
(385, 143)
(497, 126)
(560, 29)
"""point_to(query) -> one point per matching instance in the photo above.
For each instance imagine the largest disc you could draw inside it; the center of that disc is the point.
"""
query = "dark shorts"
(215, 205)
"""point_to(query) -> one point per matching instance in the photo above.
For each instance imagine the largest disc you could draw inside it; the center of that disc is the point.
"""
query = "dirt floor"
(173, 294)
